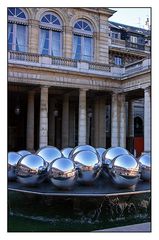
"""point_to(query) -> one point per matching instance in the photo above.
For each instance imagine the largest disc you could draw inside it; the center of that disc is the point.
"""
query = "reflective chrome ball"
(13, 159)
(31, 170)
(49, 153)
(24, 152)
(66, 151)
(82, 148)
(62, 173)
(124, 170)
(111, 153)
(89, 166)
(145, 167)
(100, 151)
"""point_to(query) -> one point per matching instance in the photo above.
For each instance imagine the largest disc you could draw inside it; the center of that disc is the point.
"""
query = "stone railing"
(60, 62)
(22, 56)
(116, 41)
(99, 67)
(64, 62)
(73, 65)
(137, 67)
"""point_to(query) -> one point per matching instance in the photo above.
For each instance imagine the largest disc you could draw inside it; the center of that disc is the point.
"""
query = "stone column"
(30, 122)
(114, 121)
(147, 120)
(131, 119)
(51, 127)
(33, 36)
(43, 131)
(96, 122)
(99, 123)
(122, 121)
(82, 117)
(65, 121)
(102, 123)
(72, 125)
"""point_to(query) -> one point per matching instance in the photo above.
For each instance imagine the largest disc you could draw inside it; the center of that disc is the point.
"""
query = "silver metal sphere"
(23, 152)
(31, 170)
(145, 167)
(66, 151)
(62, 173)
(49, 153)
(82, 148)
(13, 158)
(100, 151)
(124, 170)
(89, 166)
(111, 153)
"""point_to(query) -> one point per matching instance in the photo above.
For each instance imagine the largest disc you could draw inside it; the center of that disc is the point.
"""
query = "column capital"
(83, 89)
(44, 86)
(147, 89)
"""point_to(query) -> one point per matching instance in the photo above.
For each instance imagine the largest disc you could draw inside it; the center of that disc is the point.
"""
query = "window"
(118, 60)
(50, 36)
(17, 30)
(133, 39)
(82, 41)
(115, 35)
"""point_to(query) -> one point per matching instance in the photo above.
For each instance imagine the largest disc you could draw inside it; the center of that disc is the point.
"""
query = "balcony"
(33, 59)
(118, 42)
(135, 46)
(125, 44)
(137, 67)
(71, 65)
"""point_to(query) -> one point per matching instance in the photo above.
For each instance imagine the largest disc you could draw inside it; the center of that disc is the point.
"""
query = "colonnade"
(118, 120)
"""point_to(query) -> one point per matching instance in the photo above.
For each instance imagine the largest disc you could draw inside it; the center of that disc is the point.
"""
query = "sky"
(132, 16)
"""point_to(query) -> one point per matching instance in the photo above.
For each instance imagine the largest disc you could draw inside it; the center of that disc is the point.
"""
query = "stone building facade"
(63, 89)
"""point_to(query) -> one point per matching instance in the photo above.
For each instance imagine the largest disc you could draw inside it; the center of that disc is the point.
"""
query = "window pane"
(44, 42)
(118, 60)
(44, 19)
(10, 36)
(55, 48)
(21, 38)
(78, 25)
(11, 11)
(18, 11)
(86, 26)
(21, 15)
(48, 17)
(87, 48)
(77, 47)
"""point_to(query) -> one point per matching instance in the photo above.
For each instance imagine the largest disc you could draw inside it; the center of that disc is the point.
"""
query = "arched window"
(51, 35)
(17, 30)
(83, 41)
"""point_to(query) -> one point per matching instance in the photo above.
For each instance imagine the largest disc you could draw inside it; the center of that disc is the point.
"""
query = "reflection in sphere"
(82, 148)
(49, 153)
(62, 173)
(31, 170)
(100, 151)
(111, 153)
(13, 159)
(66, 151)
(24, 152)
(124, 170)
(145, 167)
(89, 166)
